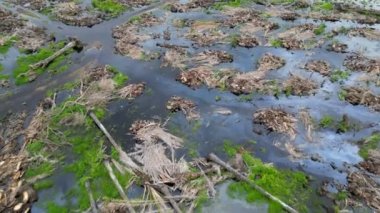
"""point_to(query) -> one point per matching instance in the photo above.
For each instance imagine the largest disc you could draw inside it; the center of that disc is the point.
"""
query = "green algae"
(370, 143)
(110, 7)
(23, 62)
(326, 121)
(7, 45)
(292, 187)
(44, 184)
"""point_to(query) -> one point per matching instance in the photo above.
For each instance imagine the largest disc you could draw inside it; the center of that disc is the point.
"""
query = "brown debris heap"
(319, 66)
(187, 106)
(297, 85)
(276, 120)
(358, 96)
(358, 62)
(74, 14)
(363, 187)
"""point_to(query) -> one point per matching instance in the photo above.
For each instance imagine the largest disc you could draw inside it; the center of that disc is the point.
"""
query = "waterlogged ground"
(294, 85)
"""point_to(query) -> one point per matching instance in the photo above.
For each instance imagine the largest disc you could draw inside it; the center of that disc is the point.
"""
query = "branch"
(124, 158)
(51, 58)
(92, 201)
(118, 186)
(241, 177)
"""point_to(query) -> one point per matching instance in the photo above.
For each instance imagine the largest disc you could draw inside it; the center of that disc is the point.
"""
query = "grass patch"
(246, 98)
(39, 169)
(320, 30)
(111, 7)
(23, 62)
(342, 95)
(7, 45)
(289, 186)
(52, 207)
(44, 184)
(35, 147)
(325, 6)
(370, 143)
(229, 148)
(326, 121)
(119, 77)
(339, 76)
(276, 43)
(4, 77)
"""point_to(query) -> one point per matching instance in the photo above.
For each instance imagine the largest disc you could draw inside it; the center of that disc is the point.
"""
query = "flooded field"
(189, 106)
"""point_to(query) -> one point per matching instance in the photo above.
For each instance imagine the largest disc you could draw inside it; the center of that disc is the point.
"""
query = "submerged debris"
(177, 103)
(319, 66)
(358, 62)
(74, 14)
(276, 120)
(358, 96)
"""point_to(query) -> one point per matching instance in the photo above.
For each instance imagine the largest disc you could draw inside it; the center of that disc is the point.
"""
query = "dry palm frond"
(151, 132)
(177, 103)
(276, 120)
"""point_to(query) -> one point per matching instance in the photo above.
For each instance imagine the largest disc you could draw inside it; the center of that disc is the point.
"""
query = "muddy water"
(336, 151)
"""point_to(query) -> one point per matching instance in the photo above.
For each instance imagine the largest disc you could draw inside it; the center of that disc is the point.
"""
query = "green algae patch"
(292, 187)
(24, 74)
(4, 48)
(52, 207)
(110, 7)
(370, 143)
(44, 184)
(39, 169)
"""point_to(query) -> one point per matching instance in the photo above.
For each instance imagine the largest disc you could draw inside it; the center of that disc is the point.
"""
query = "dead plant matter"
(372, 163)
(187, 106)
(338, 47)
(358, 96)
(9, 22)
(247, 41)
(297, 37)
(363, 187)
(270, 62)
(212, 57)
(175, 57)
(369, 33)
(297, 85)
(31, 38)
(74, 14)
(319, 66)
(359, 62)
(276, 120)
(131, 91)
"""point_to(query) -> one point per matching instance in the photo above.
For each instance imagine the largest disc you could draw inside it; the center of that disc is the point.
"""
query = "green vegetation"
(326, 6)
(7, 45)
(44, 184)
(52, 207)
(229, 148)
(320, 30)
(196, 125)
(326, 121)
(23, 72)
(234, 40)
(276, 43)
(39, 169)
(239, 3)
(246, 98)
(343, 126)
(289, 186)
(339, 76)
(218, 98)
(342, 195)
(1, 67)
(119, 77)
(135, 20)
(111, 7)
(370, 143)
(4, 77)
(342, 95)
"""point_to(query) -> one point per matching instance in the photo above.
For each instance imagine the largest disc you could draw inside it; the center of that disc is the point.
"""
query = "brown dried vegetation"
(319, 66)
(276, 120)
(358, 62)
(187, 106)
(358, 96)
(297, 85)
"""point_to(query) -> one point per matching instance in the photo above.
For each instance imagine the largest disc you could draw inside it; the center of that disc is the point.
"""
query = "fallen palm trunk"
(118, 186)
(48, 60)
(94, 209)
(123, 156)
(241, 177)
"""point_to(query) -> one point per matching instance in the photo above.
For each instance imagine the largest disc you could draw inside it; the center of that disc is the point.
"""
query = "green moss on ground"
(52, 207)
(7, 45)
(111, 7)
(326, 121)
(320, 29)
(339, 76)
(289, 186)
(370, 143)
(23, 62)
(276, 43)
(44, 184)
(39, 169)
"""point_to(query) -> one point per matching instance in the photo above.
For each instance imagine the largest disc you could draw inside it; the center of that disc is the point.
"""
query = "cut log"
(51, 58)
(241, 177)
